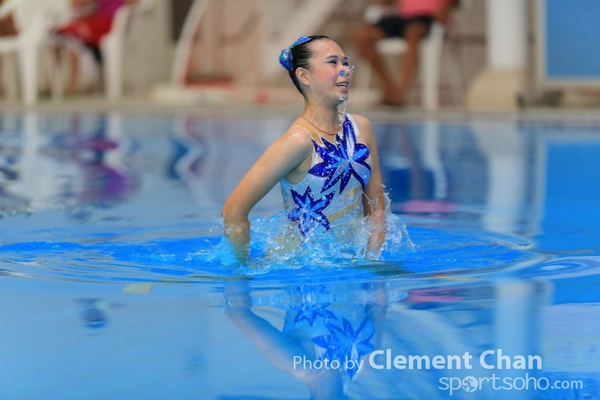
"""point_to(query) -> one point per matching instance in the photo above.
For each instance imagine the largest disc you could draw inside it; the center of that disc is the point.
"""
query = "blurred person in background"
(407, 19)
(91, 22)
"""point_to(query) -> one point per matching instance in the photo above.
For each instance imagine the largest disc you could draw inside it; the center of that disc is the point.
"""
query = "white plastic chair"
(112, 46)
(185, 43)
(33, 20)
(429, 63)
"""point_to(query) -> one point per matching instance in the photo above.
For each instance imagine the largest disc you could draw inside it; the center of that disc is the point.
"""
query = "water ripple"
(437, 252)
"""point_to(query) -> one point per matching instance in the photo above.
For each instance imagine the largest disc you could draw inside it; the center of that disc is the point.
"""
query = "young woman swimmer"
(326, 162)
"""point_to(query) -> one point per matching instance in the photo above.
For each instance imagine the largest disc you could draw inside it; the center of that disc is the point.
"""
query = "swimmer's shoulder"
(297, 137)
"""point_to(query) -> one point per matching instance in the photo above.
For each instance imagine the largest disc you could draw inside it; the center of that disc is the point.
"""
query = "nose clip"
(344, 73)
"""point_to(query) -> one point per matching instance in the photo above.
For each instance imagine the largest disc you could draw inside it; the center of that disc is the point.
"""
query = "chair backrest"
(186, 41)
(122, 20)
(29, 14)
(126, 14)
(145, 6)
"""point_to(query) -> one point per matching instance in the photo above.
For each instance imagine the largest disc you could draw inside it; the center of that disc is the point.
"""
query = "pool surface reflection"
(113, 284)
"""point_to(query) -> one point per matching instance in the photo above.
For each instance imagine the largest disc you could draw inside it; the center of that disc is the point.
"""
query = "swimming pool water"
(114, 284)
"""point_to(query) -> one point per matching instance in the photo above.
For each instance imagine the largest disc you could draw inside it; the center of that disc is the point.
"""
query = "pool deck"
(145, 107)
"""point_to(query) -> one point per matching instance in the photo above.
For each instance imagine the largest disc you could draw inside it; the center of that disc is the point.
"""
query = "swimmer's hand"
(238, 235)
(377, 220)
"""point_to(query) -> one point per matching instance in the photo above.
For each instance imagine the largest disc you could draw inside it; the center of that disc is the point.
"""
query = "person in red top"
(411, 20)
(92, 26)
(94, 21)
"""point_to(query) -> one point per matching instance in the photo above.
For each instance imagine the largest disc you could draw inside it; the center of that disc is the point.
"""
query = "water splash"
(278, 254)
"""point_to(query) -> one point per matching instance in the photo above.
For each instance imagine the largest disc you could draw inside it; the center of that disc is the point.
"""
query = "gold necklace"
(325, 132)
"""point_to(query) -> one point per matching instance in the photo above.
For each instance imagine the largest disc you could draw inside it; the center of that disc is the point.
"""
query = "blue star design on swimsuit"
(345, 343)
(309, 211)
(342, 161)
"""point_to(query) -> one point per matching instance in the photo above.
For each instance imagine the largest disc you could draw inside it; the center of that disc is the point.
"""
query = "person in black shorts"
(412, 28)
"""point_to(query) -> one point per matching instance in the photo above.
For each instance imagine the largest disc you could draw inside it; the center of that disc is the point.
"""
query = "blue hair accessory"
(301, 40)
(285, 58)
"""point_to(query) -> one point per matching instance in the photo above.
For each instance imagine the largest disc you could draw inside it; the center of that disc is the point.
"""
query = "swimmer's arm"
(283, 156)
(374, 199)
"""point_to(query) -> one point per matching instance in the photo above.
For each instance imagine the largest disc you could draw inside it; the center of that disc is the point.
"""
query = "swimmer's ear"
(302, 75)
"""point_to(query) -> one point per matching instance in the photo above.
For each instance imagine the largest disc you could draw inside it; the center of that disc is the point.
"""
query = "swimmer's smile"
(343, 86)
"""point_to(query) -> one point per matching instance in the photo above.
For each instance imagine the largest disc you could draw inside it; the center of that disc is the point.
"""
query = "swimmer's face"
(326, 66)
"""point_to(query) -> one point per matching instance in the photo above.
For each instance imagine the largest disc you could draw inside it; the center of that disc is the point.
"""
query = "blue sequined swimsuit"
(331, 192)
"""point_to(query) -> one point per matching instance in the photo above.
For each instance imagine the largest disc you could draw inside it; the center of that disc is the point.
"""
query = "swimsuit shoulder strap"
(303, 128)
(310, 135)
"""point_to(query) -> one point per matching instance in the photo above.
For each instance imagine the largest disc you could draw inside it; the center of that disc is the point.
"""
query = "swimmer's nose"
(350, 71)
